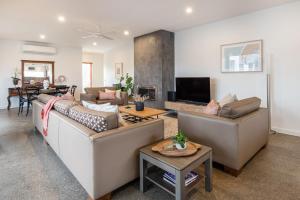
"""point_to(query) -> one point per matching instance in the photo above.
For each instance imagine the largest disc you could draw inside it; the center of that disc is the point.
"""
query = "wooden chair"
(73, 89)
(31, 94)
(22, 99)
(61, 90)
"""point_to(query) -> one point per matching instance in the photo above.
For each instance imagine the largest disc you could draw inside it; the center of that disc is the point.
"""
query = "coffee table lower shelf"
(155, 176)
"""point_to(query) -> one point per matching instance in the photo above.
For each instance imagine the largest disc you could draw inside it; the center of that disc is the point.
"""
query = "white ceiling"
(27, 19)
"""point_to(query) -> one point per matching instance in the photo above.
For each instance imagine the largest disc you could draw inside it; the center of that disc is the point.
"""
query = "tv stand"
(191, 102)
(183, 106)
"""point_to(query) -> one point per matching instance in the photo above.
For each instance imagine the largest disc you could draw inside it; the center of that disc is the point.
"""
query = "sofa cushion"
(117, 92)
(112, 101)
(228, 99)
(97, 121)
(240, 108)
(107, 95)
(63, 106)
(95, 90)
(212, 108)
(44, 98)
(106, 107)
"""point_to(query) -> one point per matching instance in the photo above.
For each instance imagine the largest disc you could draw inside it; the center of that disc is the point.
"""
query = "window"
(86, 75)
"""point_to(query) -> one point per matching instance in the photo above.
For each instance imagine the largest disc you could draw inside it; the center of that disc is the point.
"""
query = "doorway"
(87, 74)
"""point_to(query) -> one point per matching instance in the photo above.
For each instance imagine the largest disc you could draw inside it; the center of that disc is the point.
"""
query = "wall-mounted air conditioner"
(38, 49)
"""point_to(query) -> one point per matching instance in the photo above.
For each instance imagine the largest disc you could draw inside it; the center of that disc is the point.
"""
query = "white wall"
(123, 53)
(67, 62)
(197, 53)
(97, 70)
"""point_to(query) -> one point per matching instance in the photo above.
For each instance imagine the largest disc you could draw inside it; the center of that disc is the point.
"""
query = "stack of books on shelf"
(190, 178)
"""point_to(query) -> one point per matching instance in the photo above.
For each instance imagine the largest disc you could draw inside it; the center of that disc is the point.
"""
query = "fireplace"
(149, 91)
(154, 66)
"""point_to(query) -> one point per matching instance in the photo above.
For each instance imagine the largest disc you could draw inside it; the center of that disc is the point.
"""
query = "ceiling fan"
(95, 34)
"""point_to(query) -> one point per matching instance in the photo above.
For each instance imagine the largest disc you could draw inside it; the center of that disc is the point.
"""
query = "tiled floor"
(29, 169)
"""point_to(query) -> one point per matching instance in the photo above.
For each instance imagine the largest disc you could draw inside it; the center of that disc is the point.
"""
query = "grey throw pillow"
(240, 108)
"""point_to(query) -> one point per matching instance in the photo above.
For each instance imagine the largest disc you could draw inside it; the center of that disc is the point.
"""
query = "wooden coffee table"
(135, 116)
(153, 165)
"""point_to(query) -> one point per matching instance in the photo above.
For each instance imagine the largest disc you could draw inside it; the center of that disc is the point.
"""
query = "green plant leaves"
(180, 138)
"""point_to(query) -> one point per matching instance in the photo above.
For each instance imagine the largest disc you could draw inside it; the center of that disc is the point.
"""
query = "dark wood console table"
(13, 92)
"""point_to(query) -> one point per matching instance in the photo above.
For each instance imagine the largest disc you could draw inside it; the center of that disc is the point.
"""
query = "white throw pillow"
(109, 108)
(106, 107)
(227, 99)
(93, 105)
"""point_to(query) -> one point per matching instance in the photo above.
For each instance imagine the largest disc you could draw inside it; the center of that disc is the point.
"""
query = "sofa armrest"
(253, 134)
(219, 133)
(117, 152)
(88, 97)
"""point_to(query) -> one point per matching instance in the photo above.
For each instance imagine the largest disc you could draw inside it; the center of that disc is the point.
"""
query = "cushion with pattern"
(95, 120)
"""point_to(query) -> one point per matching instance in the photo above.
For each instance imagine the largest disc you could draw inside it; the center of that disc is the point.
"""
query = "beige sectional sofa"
(101, 162)
(92, 95)
(235, 139)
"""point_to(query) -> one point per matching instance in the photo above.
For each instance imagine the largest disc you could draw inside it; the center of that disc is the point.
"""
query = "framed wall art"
(118, 70)
(242, 57)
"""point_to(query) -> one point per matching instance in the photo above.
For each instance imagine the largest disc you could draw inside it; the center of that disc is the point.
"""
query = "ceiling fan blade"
(106, 37)
(89, 36)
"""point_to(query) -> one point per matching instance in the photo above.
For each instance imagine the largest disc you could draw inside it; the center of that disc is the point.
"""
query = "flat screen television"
(193, 89)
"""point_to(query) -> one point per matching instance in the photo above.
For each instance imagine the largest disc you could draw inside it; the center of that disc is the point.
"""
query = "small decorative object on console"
(15, 79)
(61, 79)
(45, 84)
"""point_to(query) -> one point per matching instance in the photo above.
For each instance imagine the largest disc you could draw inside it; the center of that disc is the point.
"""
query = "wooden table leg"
(9, 103)
(143, 167)
(208, 173)
(179, 186)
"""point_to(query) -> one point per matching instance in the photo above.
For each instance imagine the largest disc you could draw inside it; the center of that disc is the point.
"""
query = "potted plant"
(180, 140)
(139, 102)
(15, 79)
(127, 86)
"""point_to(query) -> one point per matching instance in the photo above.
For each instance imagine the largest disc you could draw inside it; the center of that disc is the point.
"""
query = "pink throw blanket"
(47, 108)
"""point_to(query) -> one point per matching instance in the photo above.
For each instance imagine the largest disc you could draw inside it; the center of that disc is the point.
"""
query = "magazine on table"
(190, 177)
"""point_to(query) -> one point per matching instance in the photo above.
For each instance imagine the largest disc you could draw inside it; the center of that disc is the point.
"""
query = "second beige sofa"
(92, 95)
(234, 141)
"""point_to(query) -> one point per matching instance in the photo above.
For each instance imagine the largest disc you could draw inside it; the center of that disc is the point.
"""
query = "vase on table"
(15, 81)
(139, 106)
(45, 84)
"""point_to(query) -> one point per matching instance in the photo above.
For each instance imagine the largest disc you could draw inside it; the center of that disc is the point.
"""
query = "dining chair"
(73, 89)
(22, 99)
(31, 94)
(61, 90)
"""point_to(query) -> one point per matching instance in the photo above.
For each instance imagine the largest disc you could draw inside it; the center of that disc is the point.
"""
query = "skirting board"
(5, 107)
(286, 131)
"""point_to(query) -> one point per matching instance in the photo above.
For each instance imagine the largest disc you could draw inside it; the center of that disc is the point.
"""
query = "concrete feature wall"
(198, 54)
(154, 64)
